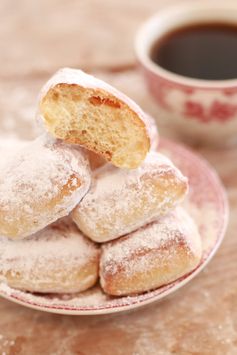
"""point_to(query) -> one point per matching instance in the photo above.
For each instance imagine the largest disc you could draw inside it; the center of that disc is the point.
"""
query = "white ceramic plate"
(208, 206)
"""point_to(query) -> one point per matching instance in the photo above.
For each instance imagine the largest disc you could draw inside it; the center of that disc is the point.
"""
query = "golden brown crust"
(96, 161)
(39, 183)
(58, 259)
(151, 257)
(60, 280)
(121, 201)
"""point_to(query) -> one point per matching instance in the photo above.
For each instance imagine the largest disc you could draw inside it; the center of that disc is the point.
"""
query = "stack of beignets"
(91, 199)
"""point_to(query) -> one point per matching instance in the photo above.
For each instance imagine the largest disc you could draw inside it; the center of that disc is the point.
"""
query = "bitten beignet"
(84, 110)
(121, 201)
(58, 259)
(39, 183)
(152, 256)
(96, 161)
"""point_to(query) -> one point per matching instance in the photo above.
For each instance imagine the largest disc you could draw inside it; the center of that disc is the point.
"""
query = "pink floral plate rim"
(216, 199)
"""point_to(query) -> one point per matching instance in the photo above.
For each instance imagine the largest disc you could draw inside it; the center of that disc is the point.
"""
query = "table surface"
(36, 39)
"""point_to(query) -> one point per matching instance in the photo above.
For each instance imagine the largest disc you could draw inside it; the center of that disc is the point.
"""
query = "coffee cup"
(200, 110)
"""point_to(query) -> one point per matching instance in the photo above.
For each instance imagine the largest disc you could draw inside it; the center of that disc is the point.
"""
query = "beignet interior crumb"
(98, 121)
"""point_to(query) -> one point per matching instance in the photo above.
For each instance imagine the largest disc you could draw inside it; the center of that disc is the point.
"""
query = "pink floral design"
(217, 111)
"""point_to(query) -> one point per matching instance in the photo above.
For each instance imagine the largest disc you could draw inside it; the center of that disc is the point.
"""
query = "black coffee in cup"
(204, 51)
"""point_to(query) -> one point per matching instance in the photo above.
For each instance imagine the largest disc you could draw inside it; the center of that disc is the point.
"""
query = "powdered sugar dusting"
(210, 202)
(9, 148)
(94, 299)
(60, 245)
(133, 253)
(33, 177)
(121, 200)
(153, 131)
(109, 178)
(206, 229)
(10, 144)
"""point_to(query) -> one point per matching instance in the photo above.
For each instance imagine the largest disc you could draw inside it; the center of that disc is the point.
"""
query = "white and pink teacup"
(201, 111)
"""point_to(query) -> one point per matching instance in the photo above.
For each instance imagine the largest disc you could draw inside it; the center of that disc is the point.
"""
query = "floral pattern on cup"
(200, 110)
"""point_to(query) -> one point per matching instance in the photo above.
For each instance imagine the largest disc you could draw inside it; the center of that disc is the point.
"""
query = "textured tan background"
(36, 38)
(40, 36)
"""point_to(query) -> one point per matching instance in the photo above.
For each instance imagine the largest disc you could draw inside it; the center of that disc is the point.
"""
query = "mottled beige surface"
(37, 37)
(201, 318)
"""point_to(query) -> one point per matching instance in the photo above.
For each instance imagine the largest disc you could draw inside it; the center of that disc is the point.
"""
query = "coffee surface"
(203, 51)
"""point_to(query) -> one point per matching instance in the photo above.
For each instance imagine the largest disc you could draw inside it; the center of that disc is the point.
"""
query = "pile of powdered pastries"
(91, 200)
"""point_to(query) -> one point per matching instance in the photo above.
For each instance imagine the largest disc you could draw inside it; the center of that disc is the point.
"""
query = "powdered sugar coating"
(10, 145)
(40, 258)
(122, 200)
(40, 182)
(9, 148)
(172, 227)
(171, 245)
(153, 131)
(211, 202)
